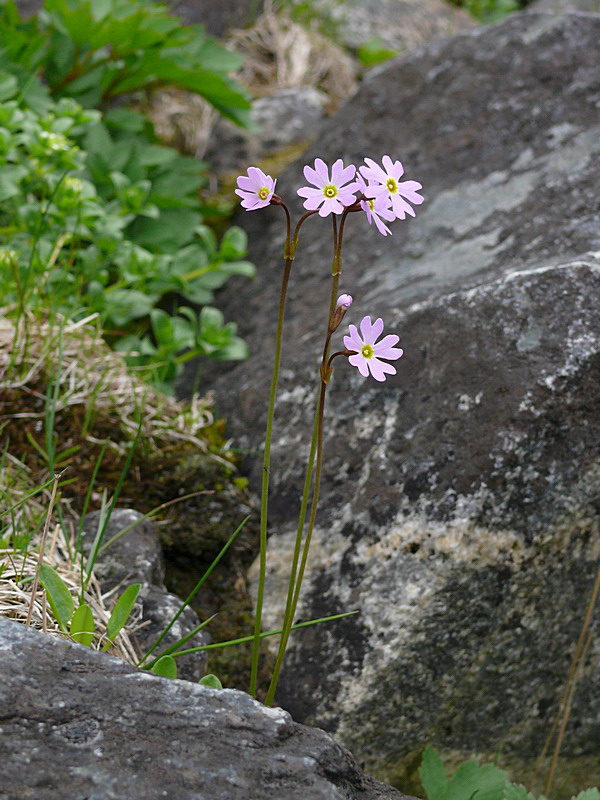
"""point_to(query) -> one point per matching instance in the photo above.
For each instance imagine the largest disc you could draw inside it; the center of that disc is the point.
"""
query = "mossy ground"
(169, 462)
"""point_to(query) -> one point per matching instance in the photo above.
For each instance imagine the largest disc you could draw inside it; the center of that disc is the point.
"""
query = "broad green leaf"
(58, 595)
(8, 86)
(212, 681)
(234, 244)
(165, 667)
(433, 774)
(514, 792)
(472, 781)
(121, 611)
(588, 794)
(82, 625)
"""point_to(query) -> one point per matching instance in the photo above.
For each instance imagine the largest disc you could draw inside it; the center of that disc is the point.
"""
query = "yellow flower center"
(371, 204)
(330, 192)
(392, 186)
(263, 193)
(367, 351)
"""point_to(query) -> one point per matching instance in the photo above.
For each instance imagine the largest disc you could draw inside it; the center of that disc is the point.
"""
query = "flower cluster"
(375, 189)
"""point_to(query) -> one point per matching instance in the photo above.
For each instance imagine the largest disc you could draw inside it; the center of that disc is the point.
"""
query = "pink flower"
(344, 301)
(369, 352)
(386, 181)
(377, 207)
(256, 189)
(331, 194)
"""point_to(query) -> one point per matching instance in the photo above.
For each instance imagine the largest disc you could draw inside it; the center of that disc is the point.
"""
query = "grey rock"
(288, 117)
(217, 18)
(460, 498)
(137, 558)
(401, 25)
(78, 724)
(590, 6)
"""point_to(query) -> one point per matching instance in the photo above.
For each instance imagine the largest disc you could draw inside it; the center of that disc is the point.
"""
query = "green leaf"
(58, 595)
(8, 86)
(588, 794)
(472, 781)
(514, 792)
(165, 667)
(234, 244)
(121, 611)
(82, 625)
(212, 681)
(433, 774)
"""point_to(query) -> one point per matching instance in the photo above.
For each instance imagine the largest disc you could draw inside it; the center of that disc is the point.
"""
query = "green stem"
(296, 577)
(289, 251)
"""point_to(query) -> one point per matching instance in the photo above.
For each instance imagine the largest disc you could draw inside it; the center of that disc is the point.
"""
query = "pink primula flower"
(369, 352)
(386, 182)
(331, 194)
(256, 189)
(376, 208)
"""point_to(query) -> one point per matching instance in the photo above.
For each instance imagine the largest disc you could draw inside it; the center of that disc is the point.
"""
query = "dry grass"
(278, 54)
(94, 382)
(94, 378)
(18, 573)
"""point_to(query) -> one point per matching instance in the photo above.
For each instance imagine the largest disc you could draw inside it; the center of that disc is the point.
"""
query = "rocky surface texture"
(460, 499)
(78, 724)
(590, 6)
(401, 25)
(137, 558)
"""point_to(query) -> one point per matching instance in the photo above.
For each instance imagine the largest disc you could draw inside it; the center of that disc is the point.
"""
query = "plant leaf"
(121, 611)
(165, 667)
(433, 774)
(82, 625)
(212, 681)
(58, 595)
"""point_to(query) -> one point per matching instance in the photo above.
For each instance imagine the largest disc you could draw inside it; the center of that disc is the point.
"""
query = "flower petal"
(366, 330)
(361, 363)
(307, 191)
(353, 342)
(319, 176)
(391, 353)
(340, 174)
(379, 369)
(373, 171)
(395, 170)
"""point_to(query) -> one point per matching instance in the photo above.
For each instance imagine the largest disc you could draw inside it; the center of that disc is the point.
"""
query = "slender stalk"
(579, 655)
(289, 252)
(316, 447)
(36, 579)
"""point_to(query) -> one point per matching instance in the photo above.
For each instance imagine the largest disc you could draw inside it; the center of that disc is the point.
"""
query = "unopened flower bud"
(344, 302)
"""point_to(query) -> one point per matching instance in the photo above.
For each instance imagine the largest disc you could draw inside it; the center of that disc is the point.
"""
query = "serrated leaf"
(514, 792)
(121, 611)
(433, 774)
(472, 781)
(212, 681)
(82, 625)
(58, 595)
(165, 667)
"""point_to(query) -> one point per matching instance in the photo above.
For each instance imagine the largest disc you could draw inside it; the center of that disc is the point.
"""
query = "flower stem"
(264, 499)
(316, 447)
(289, 252)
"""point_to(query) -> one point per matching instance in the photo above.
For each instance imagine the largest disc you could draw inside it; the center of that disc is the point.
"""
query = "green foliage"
(58, 595)
(212, 681)
(121, 612)
(488, 11)
(166, 667)
(373, 52)
(97, 50)
(474, 781)
(82, 625)
(96, 216)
